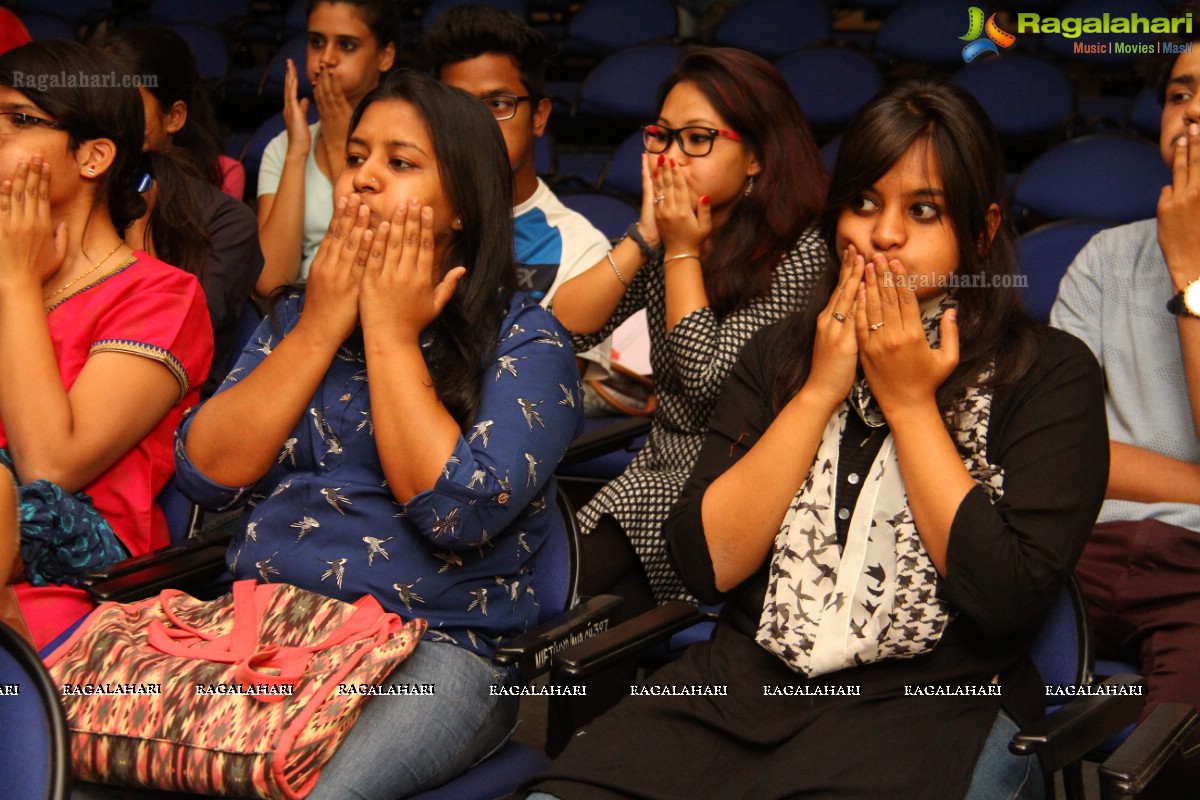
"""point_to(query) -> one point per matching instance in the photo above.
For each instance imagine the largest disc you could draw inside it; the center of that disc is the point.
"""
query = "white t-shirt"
(318, 192)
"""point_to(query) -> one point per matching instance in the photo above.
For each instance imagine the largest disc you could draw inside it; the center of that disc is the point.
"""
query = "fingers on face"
(20, 181)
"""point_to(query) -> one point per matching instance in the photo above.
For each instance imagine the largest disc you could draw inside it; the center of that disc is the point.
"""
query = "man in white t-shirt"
(500, 59)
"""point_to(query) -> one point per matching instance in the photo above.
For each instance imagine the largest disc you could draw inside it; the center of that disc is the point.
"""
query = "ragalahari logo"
(995, 36)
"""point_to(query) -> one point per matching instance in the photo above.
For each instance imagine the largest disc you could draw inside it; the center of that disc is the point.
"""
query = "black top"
(1005, 563)
(234, 262)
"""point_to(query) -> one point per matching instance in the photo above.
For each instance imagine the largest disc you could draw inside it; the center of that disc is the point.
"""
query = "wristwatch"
(1187, 302)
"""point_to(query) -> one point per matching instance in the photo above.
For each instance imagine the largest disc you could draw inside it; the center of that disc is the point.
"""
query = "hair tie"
(145, 183)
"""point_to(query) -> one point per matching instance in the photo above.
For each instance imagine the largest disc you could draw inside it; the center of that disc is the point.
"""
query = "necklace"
(95, 267)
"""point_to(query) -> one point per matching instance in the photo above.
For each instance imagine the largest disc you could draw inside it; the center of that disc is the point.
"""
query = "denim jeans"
(401, 744)
(1001, 775)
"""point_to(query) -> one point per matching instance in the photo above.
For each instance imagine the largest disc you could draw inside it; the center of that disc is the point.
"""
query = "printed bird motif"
(481, 430)
(264, 347)
(281, 488)
(375, 547)
(531, 474)
(513, 331)
(480, 600)
(447, 524)
(407, 595)
(508, 364)
(537, 505)
(514, 589)
(252, 531)
(451, 461)
(337, 570)
(265, 570)
(529, 411)
(305, 526)
(485, 540)
(548, 337)
(521, 541)
(568, 397)
(876, 573)
(441, 636)
(367, 422)
(288, 452)
(333, 496)
(477, 478)
(450, 561)
(232, 377)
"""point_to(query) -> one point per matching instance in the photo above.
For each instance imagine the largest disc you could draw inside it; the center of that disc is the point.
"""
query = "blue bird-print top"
(461, 555)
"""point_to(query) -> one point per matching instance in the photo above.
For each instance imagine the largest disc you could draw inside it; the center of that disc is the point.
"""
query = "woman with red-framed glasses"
(731, 182)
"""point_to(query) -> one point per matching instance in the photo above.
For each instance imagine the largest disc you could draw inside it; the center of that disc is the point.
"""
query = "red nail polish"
(704, 200)
(661, 159)
(672, 162)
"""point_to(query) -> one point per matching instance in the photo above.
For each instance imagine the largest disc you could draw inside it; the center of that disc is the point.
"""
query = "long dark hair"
(163, 53)
(753, 98)
(473, 166)
(992, 323)
(106, 112)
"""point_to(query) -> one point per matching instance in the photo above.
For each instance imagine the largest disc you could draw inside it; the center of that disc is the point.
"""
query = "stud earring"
(749, 187)
(91, 170)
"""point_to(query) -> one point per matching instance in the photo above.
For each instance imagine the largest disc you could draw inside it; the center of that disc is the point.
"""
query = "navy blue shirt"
(461, 555)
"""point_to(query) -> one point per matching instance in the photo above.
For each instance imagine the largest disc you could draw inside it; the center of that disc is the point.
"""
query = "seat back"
(626, 83)
(1022, 95)
(830, 83)
(772, 28)
(1113, 178)
(556, 579)
(1043, 256)
(35, 761)
(607, 25)
(611, 215)
(926, 31)
(1062, 650)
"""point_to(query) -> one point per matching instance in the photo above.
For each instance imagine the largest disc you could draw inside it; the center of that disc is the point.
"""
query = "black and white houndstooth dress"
(690, 366)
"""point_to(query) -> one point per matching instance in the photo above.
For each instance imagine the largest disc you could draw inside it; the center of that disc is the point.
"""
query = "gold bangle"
(680, 256)
(616, 271)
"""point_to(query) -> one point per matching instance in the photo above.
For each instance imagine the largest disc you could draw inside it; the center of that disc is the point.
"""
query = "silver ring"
(658, 199)
(839, 317)
(876, 326)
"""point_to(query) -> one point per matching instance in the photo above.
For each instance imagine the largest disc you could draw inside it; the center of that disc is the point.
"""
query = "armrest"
(195, 562)
(1079, 726)
(161, 555)
(617, 436)
(1153, 742)
(615, 645)
(533, 651)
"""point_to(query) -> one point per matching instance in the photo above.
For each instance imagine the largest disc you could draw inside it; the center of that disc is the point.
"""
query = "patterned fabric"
(1114, 298)
(689, 365)
(462, 555)
(233, 696)
(62, 534)
(827, 608)
(161, 311)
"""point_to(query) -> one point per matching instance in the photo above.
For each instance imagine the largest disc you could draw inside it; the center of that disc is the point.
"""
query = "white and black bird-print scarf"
(826, 610)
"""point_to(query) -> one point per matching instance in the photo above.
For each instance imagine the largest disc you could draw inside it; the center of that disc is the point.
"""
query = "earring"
(749, 187)
(91, 170)
(457, 224)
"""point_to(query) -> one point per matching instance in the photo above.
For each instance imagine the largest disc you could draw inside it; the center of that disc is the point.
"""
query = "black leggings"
(611, 566)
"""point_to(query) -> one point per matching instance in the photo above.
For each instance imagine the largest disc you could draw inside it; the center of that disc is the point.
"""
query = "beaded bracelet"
(648, 252)
(613, 264)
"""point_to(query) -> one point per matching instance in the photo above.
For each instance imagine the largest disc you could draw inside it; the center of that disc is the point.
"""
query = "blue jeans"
(1001, 775)
(404, 744)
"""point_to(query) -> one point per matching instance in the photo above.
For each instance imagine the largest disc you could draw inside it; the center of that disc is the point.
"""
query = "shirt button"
(502, 498)
(844, 513)
(853, 478)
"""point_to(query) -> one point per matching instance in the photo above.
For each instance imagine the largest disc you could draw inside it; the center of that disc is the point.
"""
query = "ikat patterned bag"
(236, 696)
